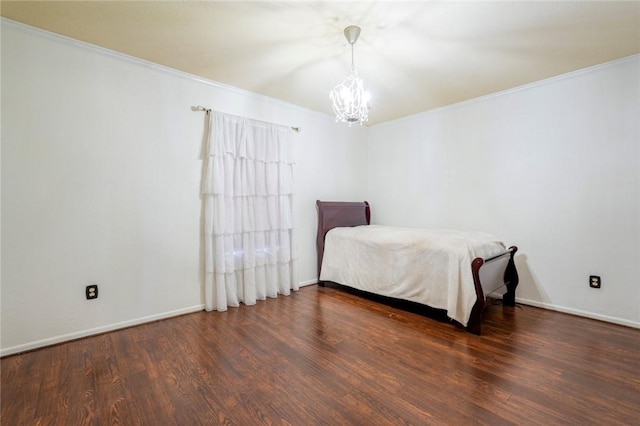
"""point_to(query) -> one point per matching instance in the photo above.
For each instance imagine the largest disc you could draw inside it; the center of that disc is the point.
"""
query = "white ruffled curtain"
(247, 185)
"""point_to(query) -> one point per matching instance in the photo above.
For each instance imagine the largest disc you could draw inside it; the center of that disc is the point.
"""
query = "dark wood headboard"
(332, 214)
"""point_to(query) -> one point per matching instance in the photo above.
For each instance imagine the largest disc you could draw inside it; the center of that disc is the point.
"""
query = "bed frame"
(488, 274)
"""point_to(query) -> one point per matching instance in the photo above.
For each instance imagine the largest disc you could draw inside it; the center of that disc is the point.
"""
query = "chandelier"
(349, 98)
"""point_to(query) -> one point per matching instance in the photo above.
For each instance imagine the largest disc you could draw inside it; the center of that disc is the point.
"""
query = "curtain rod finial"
(200, 108)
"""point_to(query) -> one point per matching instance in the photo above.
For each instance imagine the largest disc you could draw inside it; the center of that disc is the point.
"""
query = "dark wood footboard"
(510, 280)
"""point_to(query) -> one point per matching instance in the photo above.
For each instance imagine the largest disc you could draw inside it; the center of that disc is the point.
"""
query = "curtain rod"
(208, 110)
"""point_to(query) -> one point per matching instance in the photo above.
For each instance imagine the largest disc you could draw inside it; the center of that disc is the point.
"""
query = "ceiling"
(413, 56)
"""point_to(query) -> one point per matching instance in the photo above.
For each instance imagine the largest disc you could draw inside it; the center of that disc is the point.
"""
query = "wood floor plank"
(327, 356)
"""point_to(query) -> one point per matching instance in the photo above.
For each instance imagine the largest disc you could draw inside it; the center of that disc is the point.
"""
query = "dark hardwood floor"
(327, 356)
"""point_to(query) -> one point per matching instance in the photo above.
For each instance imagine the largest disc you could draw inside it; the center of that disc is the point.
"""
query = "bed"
(447, 270)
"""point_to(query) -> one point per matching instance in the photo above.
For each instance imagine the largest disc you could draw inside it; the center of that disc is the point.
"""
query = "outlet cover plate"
(91, 291)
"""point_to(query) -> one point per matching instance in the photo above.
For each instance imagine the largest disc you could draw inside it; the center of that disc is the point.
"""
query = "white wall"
(552, 167)
(100, 184)
(101, 169)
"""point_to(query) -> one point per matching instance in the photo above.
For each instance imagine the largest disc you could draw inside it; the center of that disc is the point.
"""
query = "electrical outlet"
(92, 291)
(594, 281)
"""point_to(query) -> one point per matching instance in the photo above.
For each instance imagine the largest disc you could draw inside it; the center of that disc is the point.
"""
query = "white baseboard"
(138, 321)
(553, 307)
(308, 282)
(107, 328)
(578, 312)
(98, 330)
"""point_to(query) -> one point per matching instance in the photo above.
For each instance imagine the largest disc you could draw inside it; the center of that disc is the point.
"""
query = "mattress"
(431, 267)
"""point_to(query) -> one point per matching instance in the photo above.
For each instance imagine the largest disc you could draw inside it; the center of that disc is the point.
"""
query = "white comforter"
(432, 267)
